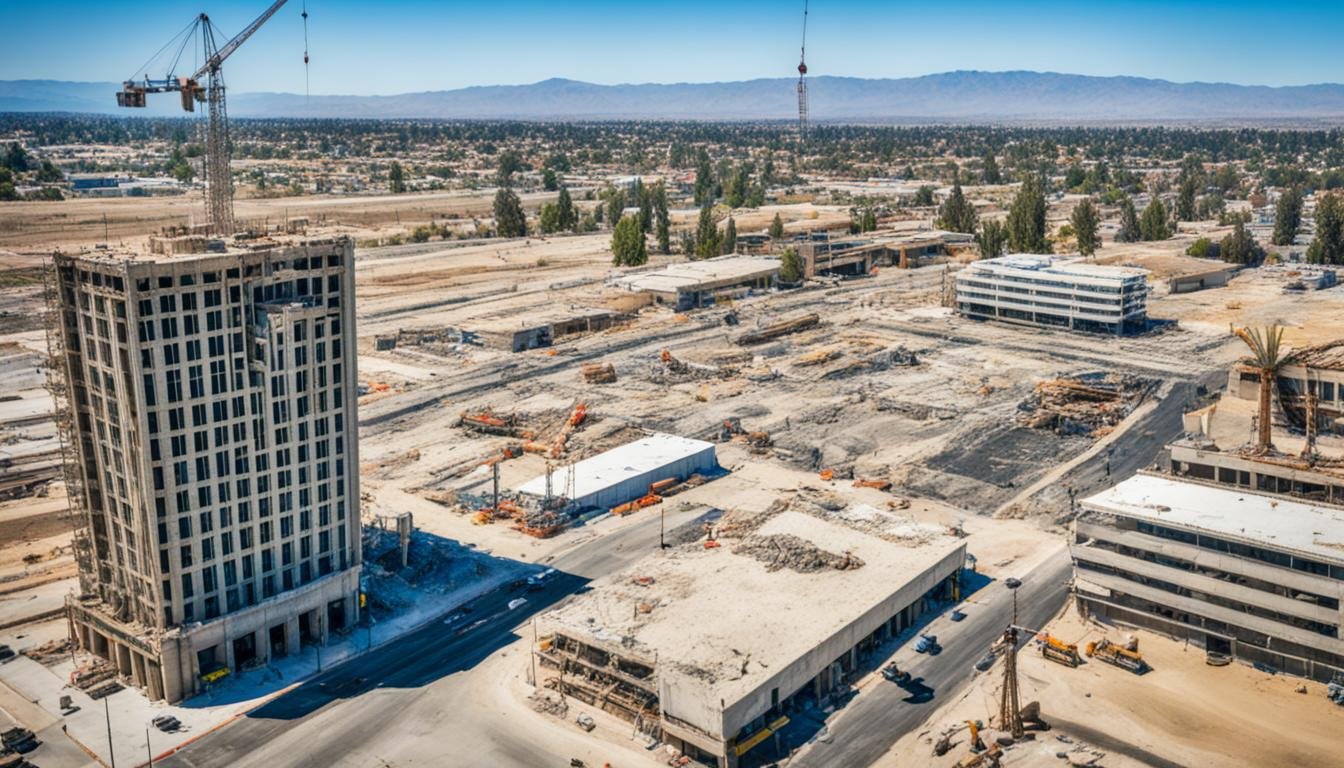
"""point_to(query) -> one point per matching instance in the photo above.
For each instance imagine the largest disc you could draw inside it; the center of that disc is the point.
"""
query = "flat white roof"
(611, 467)
(1038, 266)
(1230, 513)
(724, 269)
(716, 608)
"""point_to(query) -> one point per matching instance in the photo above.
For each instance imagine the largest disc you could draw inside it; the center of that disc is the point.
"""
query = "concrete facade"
(213, 424)
(1050, 291)
(1254, 577)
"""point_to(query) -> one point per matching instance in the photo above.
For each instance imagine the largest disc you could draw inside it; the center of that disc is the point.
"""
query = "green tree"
(992, 239)
(510, 221)
(1026, 219)
(923, 196)
(1185, 199)
(615, 206)
(548, 220)
(706, 234)
(564, 208)
(737, 187)
(1075, 176)
(957, 214)
(510, 162)
(790, 266)
(1153, 225)
(7, 191)
(989, 172)
(777, 228)
(662, 221)
(1226, 178)
(1129, 222)
(1085, 221)
(627, 243)
(1287, 216)
(1239, 247)
(184, 173)
(1328, 245)
(704, 179)
(730, 236)
(396, 178)
(549, 181)
(1203, 248)
(48, 173)
(868, 220)
(644, 199)
(16, 158)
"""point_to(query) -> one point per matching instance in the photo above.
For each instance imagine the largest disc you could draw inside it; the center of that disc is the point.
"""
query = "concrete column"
(154, 680)
(321, 614)
(137, 669)
(227, 642)
(292, 636)
(262, 638)
(123, 659)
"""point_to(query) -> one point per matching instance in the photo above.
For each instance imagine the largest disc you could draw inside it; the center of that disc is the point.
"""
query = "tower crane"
(802, 82)
(218, 184)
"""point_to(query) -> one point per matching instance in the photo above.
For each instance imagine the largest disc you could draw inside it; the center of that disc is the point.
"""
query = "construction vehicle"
(1057, 650)
(218, 183)
(1120, 656)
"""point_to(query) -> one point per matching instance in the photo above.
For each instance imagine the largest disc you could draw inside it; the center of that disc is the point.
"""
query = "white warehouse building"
(625, 473)
(1053, 291)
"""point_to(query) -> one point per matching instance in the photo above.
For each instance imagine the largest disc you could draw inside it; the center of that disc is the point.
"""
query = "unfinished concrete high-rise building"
(209, 417)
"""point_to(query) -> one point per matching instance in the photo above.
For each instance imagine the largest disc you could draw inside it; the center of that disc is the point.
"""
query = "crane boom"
(218, 182)
(238, 39)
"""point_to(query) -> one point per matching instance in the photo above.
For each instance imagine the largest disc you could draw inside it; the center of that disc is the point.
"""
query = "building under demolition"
(207, 403)
(1217, 444)
(711, 646)
(1250, 576)
(1051, 291)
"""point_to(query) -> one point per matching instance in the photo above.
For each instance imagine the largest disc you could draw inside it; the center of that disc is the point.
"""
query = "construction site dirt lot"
(1182, 712)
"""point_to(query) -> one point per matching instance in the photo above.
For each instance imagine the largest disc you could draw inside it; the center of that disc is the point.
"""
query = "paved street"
(419, 685)
(878, 717)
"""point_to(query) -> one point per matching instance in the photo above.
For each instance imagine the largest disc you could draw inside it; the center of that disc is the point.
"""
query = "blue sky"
(397, 46)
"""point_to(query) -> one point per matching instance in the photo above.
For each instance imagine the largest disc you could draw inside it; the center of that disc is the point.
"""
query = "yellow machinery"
(1120, 656)
(1057, 650)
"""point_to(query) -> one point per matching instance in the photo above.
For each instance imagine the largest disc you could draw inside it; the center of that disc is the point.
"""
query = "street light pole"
(149, 753)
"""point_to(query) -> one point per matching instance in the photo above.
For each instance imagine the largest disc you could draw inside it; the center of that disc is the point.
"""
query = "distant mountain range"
(1009, 97)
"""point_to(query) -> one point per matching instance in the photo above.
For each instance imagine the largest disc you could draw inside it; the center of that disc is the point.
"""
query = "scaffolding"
(56, 319)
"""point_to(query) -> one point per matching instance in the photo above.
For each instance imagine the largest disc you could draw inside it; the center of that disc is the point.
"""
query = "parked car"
(19, 740)
(928, 644)
(586, 721)
(894, 674)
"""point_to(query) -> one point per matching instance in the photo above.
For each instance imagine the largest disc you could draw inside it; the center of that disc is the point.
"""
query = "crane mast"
(218, 181)
(802, 82)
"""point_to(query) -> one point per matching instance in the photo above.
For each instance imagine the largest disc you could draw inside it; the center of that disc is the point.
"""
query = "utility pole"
(149, 753)
(662, 526)
(1010, 713)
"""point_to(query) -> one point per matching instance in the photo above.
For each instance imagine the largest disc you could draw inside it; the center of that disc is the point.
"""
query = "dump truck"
(1120, 656)
(1057, 650)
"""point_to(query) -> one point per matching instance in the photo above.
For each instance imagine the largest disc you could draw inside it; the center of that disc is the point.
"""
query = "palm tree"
(1265, 356)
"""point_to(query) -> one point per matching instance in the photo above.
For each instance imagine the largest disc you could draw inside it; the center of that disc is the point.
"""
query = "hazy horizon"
(408, 46)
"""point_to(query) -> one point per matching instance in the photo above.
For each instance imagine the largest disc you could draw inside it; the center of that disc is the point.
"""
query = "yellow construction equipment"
(1057, 650)
(1120, 656)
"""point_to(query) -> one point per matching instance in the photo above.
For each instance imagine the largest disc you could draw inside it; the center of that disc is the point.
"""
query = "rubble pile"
(1089, 405)
(785, 550)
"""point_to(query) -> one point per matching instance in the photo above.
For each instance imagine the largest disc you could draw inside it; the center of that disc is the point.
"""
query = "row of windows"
(1270, 556)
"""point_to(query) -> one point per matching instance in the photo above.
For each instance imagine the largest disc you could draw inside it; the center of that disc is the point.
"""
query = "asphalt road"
(420, 681)
(867, 727)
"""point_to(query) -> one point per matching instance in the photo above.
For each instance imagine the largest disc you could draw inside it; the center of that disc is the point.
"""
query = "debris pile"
(1089, 405)
(781, 328)
(785, 550)
(598, 373)
(97, 679)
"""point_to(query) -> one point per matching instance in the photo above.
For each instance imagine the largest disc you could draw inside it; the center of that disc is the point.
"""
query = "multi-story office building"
(209, 409)
(1253, 576)
(1052, 291)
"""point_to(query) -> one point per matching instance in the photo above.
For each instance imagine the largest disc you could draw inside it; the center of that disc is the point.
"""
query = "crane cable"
(305, 52)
